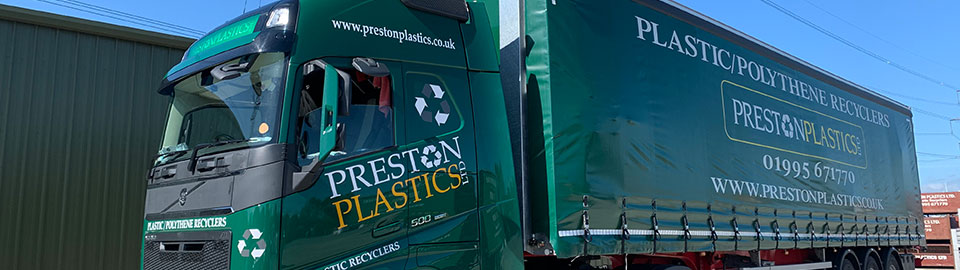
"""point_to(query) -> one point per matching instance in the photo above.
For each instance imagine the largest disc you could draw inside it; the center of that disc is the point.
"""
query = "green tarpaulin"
(694, 138)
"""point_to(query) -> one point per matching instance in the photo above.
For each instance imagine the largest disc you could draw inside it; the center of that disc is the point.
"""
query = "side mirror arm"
(309, 174)
(306, 176)
(341, 134)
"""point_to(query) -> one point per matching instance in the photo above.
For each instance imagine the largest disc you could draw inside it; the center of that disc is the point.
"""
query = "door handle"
(386, 229)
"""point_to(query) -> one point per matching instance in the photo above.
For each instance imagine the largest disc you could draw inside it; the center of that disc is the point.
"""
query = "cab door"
(352, 214)
(442, 216)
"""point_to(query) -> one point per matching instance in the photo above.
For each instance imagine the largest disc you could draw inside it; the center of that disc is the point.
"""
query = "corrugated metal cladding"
(80, 120)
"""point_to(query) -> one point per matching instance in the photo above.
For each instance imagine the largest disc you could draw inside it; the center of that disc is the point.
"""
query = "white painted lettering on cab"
(386, 169)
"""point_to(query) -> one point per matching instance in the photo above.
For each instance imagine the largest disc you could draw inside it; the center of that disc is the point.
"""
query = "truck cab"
(336, 135)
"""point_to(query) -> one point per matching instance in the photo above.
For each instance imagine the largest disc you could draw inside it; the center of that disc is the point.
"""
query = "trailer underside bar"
(804, 266)
(701, 233)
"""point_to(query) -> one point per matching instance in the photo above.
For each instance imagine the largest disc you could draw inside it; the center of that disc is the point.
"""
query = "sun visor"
(454, 9)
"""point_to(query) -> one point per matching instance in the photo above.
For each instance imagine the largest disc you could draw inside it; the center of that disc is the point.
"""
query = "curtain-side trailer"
(654, 132)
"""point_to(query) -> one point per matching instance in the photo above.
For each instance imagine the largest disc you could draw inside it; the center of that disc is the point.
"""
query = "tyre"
(871, 263)
(847, 264)
(846, 260)
(670, 267)
(657, 267)
(892, 263)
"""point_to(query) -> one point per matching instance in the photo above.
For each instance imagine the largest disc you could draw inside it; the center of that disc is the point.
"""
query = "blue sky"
(203, 15)
(920, 35)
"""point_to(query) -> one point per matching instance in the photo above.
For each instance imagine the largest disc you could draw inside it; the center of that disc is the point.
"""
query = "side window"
(369, 124)
(366, 125)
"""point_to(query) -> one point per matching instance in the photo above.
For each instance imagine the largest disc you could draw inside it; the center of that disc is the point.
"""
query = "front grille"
(212, 255)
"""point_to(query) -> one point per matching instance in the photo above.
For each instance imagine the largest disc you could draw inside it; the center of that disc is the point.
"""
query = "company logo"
(433, 93)
(403, 178)
(183, 197)
(256, 252)
(187, 224)
(358, 260)
(431, 157)
(226, 34)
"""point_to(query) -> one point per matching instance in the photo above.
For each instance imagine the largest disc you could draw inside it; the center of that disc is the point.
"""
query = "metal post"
(955, 244)
(954, 241)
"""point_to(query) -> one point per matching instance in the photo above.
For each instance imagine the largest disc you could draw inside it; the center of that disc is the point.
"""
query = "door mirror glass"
(332, 87)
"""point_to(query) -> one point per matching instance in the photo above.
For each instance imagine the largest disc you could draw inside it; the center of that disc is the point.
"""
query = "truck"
(535, 134)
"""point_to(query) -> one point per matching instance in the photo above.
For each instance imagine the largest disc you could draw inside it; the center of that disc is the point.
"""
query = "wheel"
(892, 263)
(871, 263)
(656, 267)
(846, 260)
(848, 264)
(670, 267)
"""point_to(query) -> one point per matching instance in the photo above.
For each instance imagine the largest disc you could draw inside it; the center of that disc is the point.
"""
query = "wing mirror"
(370, 67)
(335, 91)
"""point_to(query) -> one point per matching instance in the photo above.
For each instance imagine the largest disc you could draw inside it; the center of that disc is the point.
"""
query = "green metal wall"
(79, 122)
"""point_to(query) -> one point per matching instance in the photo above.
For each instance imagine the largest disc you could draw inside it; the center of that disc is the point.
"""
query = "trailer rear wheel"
(656, 267)
(871, 263)
(670, 267)
(846, 260)
(890, 260)
(847, 264)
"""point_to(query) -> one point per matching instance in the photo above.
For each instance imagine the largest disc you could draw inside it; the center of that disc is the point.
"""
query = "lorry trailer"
(400, 134)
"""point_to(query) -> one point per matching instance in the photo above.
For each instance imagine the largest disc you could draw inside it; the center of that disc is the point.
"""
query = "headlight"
(279, 18)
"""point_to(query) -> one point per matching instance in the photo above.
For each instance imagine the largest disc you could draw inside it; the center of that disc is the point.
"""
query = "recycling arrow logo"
(429, 152)
(257, 251)
(433, 93)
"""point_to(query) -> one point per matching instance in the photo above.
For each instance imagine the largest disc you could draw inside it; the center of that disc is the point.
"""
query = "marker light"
(279, 18)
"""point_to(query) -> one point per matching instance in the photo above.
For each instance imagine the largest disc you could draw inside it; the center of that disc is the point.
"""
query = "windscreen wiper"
(193, 157)
(177, 153)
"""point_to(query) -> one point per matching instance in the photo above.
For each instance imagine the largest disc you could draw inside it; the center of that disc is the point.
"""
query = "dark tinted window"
(368, 127)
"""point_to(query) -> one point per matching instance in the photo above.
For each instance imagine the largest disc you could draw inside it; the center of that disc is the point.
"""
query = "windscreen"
(237, 101)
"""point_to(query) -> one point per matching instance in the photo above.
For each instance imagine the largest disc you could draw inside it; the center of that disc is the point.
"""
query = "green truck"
(537, 134)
